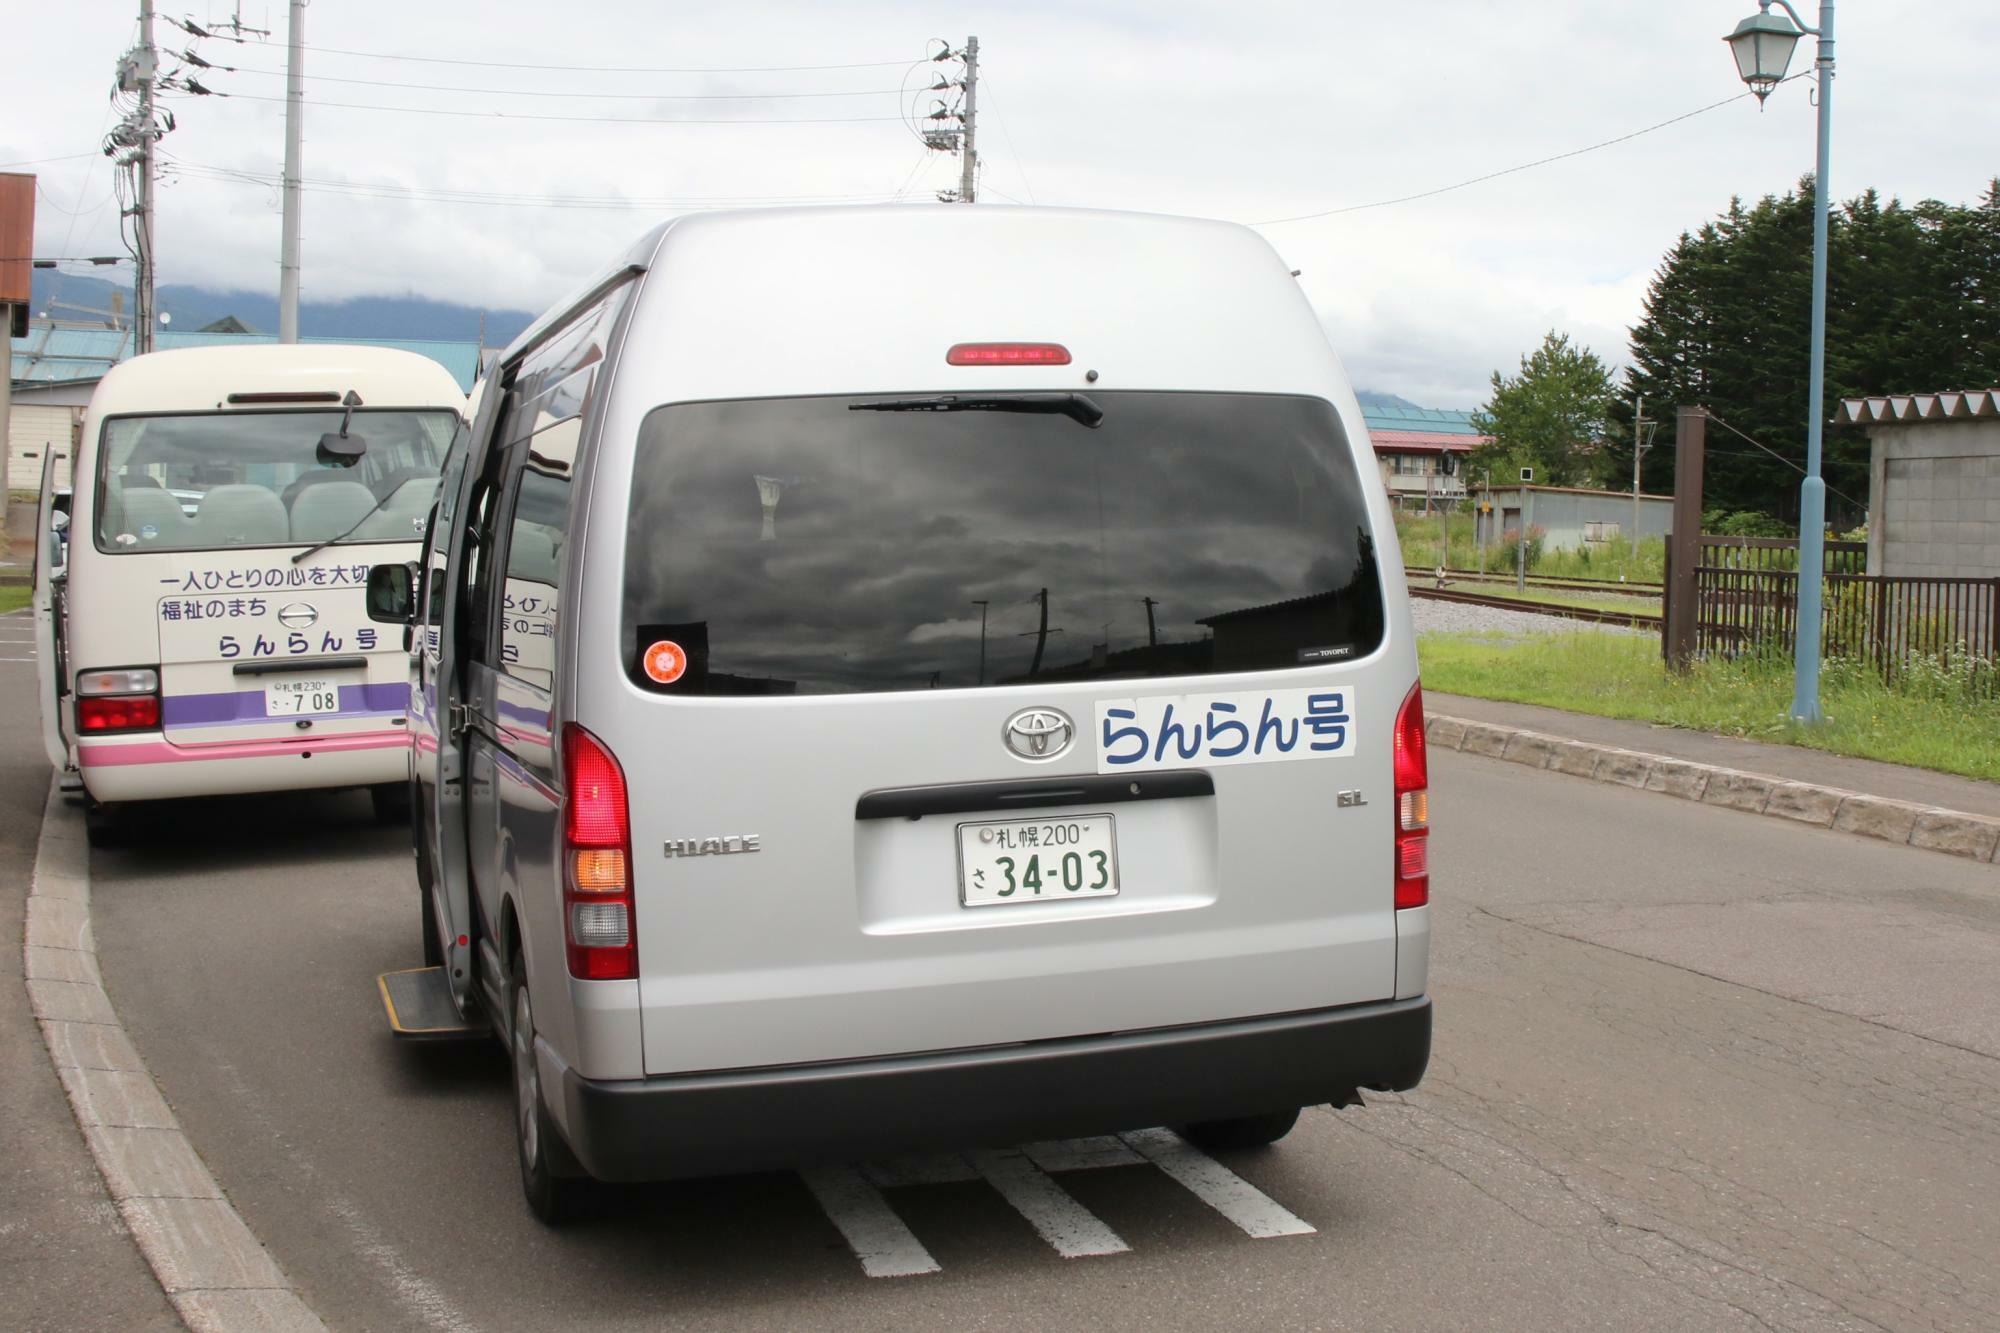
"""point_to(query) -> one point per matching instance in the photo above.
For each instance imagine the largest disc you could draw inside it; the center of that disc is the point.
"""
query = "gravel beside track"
(1435, 617)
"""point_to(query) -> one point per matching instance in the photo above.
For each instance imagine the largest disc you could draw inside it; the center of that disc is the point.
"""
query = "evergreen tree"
(1549, 417)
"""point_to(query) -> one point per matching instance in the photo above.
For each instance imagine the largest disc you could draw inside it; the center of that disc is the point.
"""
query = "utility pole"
(295, 114)
(1152, 631)
(141, 67)
(982, 603)
(963, 137)
(1638, 449)
(968, 166)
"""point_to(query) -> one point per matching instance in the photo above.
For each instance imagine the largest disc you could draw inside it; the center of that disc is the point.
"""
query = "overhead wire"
(534, 92)
(1775, 454)
(585, 120)
(577, 69)
(1020, 167)
(1513, 170)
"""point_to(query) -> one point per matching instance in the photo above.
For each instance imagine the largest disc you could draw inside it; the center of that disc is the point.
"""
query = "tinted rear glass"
(795, 546)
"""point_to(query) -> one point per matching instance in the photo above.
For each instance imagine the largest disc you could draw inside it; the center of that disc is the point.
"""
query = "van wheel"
(104, 826)
(1250, 1131)
(391, 801)
(549, 1174)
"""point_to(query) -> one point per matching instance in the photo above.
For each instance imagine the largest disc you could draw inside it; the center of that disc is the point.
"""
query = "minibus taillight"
(597, 862)
(123, 699)
(1413, 804)
(1007, 354)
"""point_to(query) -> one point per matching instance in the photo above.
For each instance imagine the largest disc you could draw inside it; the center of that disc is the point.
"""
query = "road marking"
(885, 1247)
(1073, 1230)
(1216, 1185)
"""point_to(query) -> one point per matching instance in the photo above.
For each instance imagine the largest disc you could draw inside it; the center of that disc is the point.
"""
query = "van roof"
(764, 302)
(196, 379)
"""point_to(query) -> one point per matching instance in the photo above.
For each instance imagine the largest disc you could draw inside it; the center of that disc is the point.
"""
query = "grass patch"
(1937, 718)
(13, 599)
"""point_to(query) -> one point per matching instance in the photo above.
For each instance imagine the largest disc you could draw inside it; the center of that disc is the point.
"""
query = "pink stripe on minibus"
(159, 752)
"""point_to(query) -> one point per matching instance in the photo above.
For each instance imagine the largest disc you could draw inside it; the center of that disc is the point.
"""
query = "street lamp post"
(1762, 45)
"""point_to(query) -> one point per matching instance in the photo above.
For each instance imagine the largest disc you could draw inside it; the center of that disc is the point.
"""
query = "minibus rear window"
(204, 481)
(892, 542)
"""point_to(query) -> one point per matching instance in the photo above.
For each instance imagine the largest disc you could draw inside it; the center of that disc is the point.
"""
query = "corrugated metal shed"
(53, 354)
(1923, 407)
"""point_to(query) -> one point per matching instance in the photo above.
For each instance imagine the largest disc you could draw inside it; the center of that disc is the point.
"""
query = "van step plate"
(420, 1009)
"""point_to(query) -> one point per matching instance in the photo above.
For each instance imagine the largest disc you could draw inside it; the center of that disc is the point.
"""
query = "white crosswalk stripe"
(1216, 1185)
(1025, 1178)
(885, 1247)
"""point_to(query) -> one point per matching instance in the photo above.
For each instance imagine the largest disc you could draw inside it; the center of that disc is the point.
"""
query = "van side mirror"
(392, 593)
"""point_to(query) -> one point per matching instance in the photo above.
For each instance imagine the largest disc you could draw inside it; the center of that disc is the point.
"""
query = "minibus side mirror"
(392, 593)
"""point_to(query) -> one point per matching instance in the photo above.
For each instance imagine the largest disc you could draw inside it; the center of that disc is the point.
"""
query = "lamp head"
(1762, 45)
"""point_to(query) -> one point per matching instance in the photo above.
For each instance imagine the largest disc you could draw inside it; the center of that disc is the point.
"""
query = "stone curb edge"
(217, 1274)
(1975, 837)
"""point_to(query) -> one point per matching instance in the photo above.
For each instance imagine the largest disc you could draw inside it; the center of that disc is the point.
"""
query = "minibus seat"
(407, 506)
(241, 515)
(329, 509)
(148, 513)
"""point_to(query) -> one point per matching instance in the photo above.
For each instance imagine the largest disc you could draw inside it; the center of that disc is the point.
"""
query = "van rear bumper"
(751, 1120)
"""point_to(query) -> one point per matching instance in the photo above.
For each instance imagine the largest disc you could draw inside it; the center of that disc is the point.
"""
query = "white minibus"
(209, 626)
(852, 724)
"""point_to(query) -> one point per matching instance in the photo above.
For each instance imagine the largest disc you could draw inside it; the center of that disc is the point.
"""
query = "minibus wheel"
(1250, 1131)
(549, 1174)
(391, 801)
(103, 825)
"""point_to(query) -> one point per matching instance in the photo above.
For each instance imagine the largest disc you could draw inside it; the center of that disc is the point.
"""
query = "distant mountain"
(1370, 398)
(194, 308)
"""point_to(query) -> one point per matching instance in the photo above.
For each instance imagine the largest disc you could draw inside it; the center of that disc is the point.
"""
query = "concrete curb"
(217, 1274)
(1976, 837)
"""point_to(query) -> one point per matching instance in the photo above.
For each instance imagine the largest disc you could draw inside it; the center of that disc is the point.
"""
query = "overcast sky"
(1245, 110)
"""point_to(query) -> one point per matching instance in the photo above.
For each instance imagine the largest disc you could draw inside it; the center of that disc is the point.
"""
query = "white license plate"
(1037, 860)
(297, 698)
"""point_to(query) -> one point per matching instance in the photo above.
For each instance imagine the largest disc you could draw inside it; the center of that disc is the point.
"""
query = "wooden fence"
(1746, 600)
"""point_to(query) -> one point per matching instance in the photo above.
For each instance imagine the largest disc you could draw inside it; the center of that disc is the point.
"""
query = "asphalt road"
(1693, 1070)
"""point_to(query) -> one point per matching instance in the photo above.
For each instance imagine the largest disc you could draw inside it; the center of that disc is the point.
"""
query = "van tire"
(549, 1173)
(1250, 1131)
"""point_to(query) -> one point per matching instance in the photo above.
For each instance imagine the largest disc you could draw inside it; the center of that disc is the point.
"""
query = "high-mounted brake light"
(120, 699)
(280, 396)
(1413, 804)
(1007, 354)
(597, 858)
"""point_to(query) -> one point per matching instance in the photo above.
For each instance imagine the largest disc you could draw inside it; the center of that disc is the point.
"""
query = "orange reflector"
(599, 870)
(1007, 354)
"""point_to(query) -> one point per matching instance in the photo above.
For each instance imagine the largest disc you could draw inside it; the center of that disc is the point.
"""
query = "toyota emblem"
(1038, 733)
(299, 615)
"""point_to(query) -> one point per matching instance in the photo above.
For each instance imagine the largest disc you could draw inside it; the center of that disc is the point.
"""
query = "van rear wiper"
(1075, 406)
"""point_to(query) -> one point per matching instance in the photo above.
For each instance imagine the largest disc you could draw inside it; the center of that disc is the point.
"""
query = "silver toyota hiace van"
(898, 678)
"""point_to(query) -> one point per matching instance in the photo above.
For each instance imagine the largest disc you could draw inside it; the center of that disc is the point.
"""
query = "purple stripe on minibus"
(236, 707)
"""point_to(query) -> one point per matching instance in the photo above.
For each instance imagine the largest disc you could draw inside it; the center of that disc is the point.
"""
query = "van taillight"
(597, 862)
(122, 699)
(1413, 804)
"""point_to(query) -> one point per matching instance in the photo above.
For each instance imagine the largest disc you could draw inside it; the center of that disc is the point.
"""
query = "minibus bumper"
(751, 1120)
(148, 768)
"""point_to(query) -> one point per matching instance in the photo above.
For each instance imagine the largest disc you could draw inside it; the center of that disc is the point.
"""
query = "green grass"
(1418, 537)
(1936, 719)
(13, 599)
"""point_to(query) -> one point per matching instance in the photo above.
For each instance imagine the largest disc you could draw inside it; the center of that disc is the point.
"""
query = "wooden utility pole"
(1679, 629)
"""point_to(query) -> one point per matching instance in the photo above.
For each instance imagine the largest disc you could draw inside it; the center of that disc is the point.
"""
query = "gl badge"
(1038, 733)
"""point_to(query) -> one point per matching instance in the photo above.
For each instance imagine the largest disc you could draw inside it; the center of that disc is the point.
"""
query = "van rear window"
(889, 542)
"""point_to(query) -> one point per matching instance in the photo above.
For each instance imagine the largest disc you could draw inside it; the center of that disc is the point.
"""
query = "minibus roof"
(274, 376)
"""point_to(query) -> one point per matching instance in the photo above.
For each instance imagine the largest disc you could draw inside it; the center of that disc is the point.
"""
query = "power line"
(1509, 171)
(38, 161)
(586, 120)
(577, 69)
(1775, 454)
(530, 92)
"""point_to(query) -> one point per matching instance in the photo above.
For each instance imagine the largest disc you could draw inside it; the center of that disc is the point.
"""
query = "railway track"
(1633, 619)
(1554, 584)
